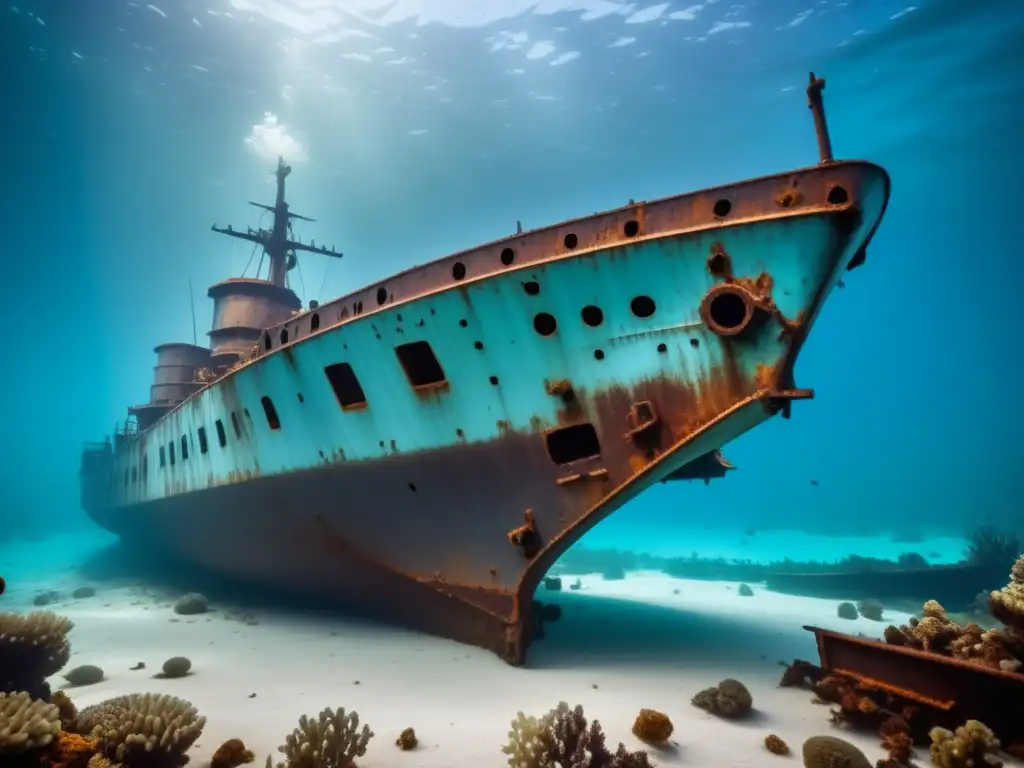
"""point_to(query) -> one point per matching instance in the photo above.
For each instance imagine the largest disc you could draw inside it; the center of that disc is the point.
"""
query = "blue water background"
(125, 136)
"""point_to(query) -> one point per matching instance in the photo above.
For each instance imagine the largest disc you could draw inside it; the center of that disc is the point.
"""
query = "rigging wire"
(323, 283)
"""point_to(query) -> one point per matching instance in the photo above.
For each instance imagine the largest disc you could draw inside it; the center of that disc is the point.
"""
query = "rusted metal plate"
(546, 406)
(958, 690)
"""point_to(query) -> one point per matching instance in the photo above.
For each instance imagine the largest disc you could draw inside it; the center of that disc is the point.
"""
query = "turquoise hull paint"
(424, 486)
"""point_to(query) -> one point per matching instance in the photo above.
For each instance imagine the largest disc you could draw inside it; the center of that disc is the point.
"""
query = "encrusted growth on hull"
(435, 454)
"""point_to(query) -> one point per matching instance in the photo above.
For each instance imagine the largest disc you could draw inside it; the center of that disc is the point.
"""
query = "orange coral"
(652, 726)
(899, 746)
(775, 745)
(69, 750)
(407, 740)
(231, 754)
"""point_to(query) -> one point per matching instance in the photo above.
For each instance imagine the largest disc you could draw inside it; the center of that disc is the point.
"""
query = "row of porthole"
(545, 324)
(837, 195)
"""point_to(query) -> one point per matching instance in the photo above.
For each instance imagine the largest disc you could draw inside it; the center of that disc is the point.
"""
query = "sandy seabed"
(648, 641)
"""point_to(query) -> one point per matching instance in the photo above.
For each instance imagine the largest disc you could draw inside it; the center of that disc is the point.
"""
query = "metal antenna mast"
(278, 242)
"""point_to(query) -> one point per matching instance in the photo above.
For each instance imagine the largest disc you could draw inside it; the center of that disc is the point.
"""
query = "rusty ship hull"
(494, 405)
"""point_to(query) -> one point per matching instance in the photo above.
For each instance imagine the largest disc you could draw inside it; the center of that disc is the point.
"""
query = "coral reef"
(937, 633)
(231, 754)
(26, 724)
(847, 611)
(652, 726)
(729, 699)
(407, 740)
(86, 674)
(775, 745)
(333, 740)
(145, 730)
(830, 752)
(1007, 604)
(562, 739)
(972, 745)
(33, 647)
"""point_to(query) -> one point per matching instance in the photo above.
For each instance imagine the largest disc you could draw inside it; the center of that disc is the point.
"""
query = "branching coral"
(33, 647)
(144, 730)
(1007, 604)
(333, 740)
(562, 739)
(26, 724)
(973, 745)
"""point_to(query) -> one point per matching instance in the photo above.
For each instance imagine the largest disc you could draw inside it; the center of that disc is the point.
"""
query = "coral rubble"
(407, 740)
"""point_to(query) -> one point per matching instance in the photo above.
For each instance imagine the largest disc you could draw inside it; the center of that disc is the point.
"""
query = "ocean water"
(417, 128)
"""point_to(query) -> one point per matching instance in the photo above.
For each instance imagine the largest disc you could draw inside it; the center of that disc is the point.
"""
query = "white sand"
(620, 646)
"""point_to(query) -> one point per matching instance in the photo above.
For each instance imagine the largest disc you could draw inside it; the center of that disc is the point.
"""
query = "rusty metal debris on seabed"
(424, 448)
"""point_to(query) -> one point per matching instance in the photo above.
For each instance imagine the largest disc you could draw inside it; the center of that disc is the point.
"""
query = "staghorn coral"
(972, 745)
(730, 699)
(142, 730)
(562, 739)
(33, 647)
(652, 726)
(333, 740)
(1007, 604)
(26, 724)
(830, 752)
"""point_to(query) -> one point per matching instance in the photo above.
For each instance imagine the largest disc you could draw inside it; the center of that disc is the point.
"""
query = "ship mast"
(278, 242)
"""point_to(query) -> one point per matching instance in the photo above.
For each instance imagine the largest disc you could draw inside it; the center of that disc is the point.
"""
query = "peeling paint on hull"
(442, 506)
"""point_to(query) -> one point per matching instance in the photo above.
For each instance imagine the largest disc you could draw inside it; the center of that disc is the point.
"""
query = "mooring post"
(817, 105)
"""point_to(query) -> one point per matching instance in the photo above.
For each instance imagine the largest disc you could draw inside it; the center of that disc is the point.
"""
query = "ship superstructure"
(427, 446)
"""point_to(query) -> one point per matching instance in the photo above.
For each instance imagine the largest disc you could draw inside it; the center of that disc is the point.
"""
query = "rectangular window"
(184, 447)
(221, 437)
(163, 457)
(346, 386)
(170, 449)
(421, 365)
(573, 443)
(203, 447)
(270, 412)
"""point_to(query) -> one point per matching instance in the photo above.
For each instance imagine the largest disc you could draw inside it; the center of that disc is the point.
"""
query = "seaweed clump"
(33, 647)
(991, 548)
(563, 739)
(972, 745)
(333, 740)
(729, 699)
(141, 730)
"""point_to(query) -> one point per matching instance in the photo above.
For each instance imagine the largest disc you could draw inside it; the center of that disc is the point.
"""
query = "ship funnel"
(242, 309)
(175, 379)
